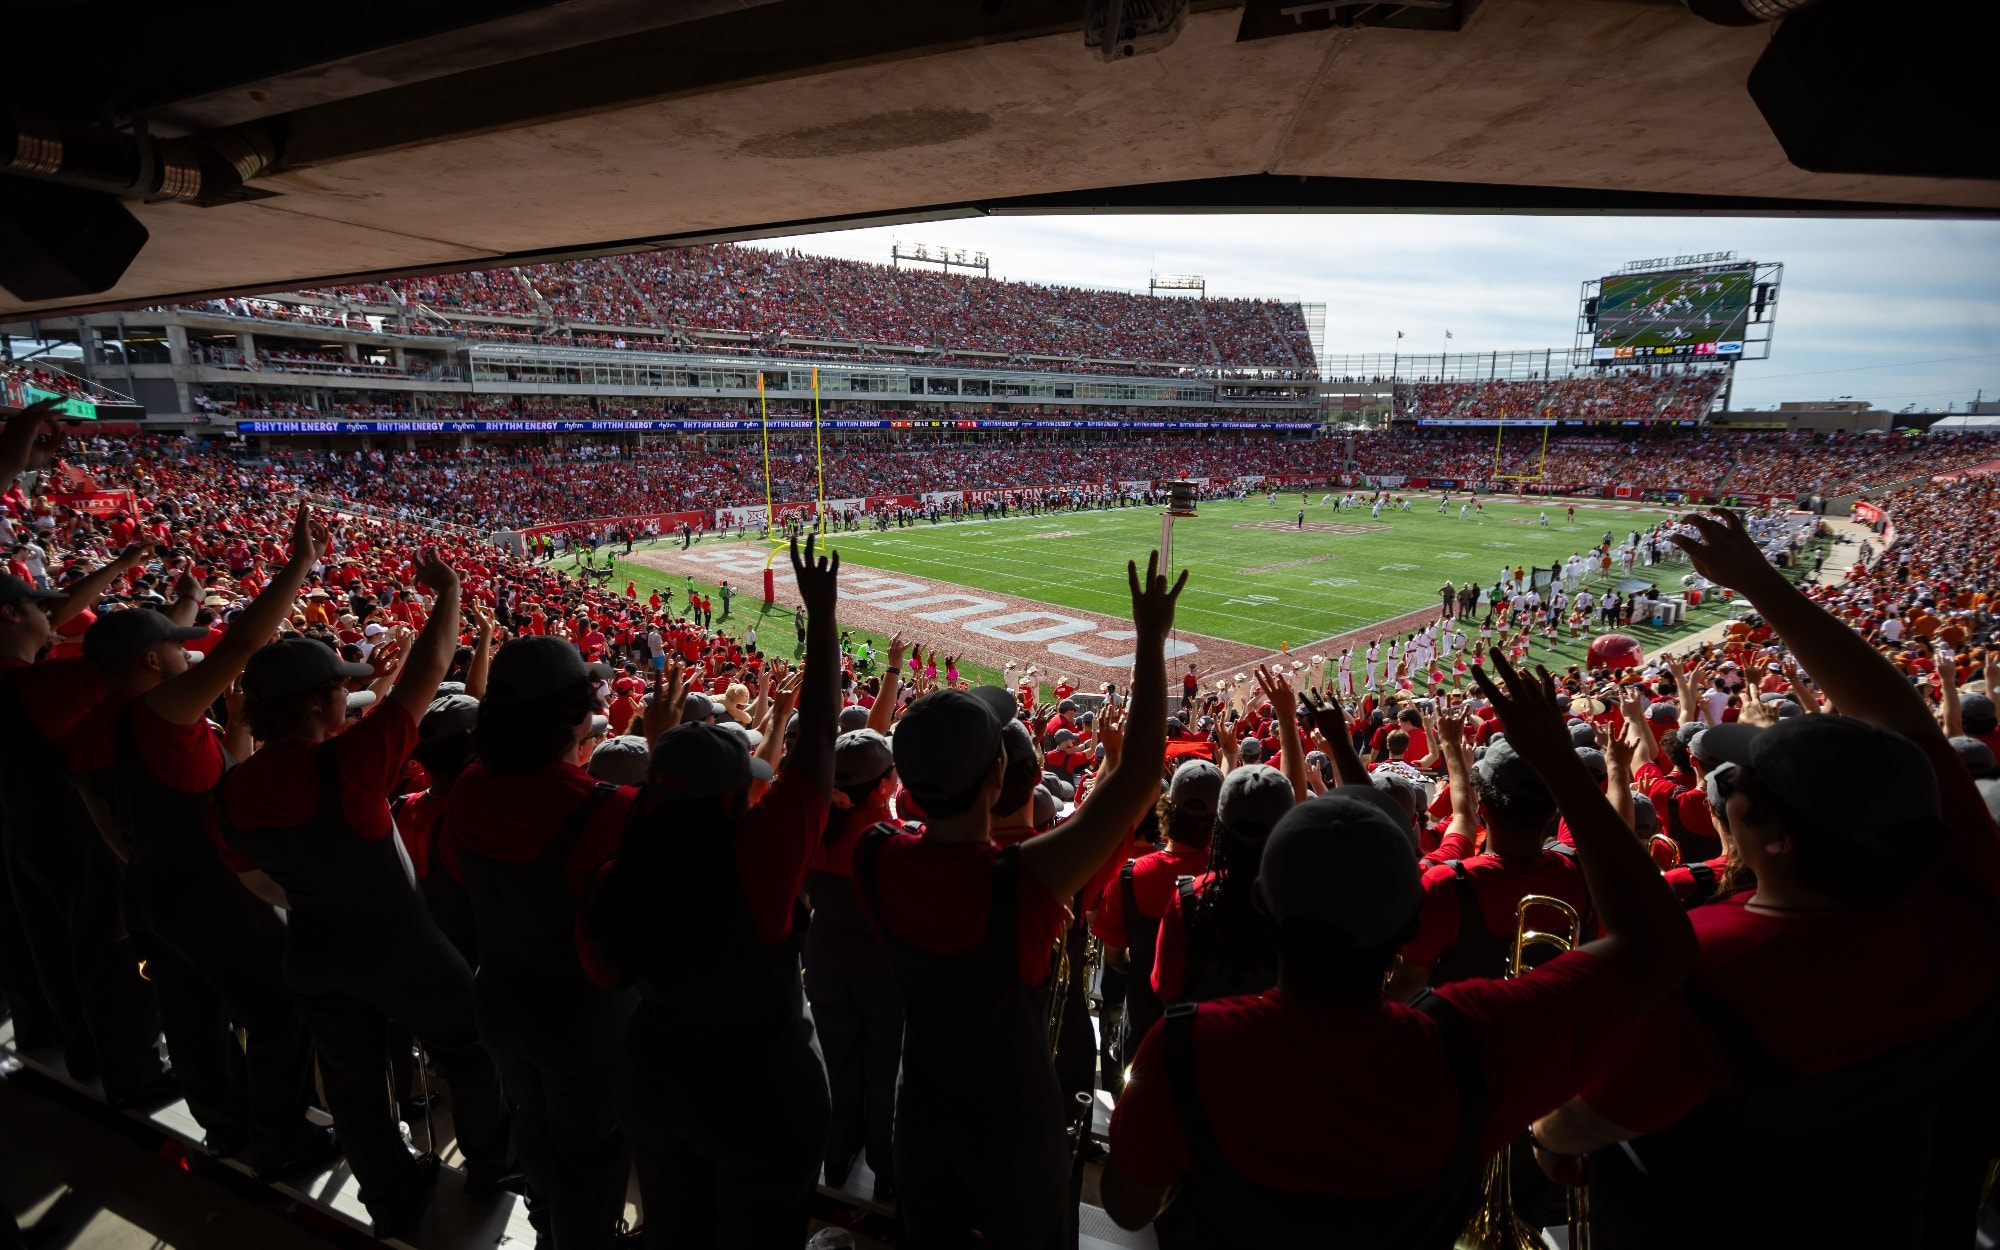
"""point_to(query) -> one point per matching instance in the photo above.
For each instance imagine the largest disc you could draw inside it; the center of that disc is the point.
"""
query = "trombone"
(1495, 1225)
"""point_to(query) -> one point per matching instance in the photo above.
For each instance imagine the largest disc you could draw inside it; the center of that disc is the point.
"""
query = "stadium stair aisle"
(76, 1175)
(331, 1195)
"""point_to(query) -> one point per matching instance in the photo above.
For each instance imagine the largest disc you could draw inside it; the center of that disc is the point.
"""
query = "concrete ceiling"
(744, 120)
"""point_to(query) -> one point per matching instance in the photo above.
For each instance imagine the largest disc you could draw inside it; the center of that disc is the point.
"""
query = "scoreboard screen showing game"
(1675, 314)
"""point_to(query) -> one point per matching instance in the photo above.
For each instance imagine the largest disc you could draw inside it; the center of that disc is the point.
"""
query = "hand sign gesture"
(1111, 730)
(1722, 550)
(1527, 707)
(432, 571)
(310, 539)
(663, 707)
(816, 578)
(1278, 689)
(1153, 601)
(1329, 719)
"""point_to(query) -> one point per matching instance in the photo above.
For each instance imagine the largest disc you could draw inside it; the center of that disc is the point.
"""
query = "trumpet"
(1495, 1225)
(1665, 851)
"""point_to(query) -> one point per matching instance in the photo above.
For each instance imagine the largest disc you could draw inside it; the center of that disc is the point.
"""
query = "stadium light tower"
(923, 254)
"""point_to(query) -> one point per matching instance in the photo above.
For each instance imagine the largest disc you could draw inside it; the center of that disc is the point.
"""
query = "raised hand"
(1449, 724)
(896, 650)
(784, 697)
(1278, 689)
(1527, 707)
(1111, 731)
(817, 578)
(137, 552)
(663, 707)
(432, 571)
(1329, 718)
(31, 436)
(1751, 710)
(1723, 551)
(1153, 601)
(1225, 737)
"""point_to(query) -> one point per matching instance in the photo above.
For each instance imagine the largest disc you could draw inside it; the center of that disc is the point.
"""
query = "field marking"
(1285, 564)
(1279, 524)
(1373, 602)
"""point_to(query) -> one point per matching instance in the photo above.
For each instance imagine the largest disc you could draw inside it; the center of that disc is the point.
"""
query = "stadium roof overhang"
(424, 138)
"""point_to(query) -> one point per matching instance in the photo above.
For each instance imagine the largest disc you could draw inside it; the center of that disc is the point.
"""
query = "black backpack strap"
(327, 760)
(1184, 888)
(1128, 897)
(872, 840)
(1470, 919)
(556, 854)
(1704, 882)
(1203, 1149)
(1755, 1061)
(1461, 1053)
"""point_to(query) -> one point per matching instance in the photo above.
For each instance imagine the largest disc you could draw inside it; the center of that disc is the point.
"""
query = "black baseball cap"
(1344, 860)
(295, 664)
(1854, 781)
(15, 590)
(947, 741)
(704, 761)
(116, 637)
(529, 668)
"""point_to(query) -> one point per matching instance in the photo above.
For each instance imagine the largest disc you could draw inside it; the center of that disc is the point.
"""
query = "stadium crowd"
(1601, 395)
(775, 295)
(502, 809)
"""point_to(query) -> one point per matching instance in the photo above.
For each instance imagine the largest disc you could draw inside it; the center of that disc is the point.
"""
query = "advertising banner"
(99, 502)
(656, 522)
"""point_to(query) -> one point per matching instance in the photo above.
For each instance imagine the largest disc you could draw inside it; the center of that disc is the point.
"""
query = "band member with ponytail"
(1127, 920)
(719, 1094)
(1320, 1112)
(857, 1009)
(969, 927)
(1212, 943)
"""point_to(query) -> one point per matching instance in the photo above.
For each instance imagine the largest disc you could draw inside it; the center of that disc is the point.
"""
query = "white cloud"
(1861, 297)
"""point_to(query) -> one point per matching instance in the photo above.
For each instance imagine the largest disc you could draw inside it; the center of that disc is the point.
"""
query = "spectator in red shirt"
(718, 1091)
(65, 880)
(970, 928)
(1212, 943)
(1127, 920)
(525, 827)
(1249, 1105)
(1822, 1054)
(148, 761)
(305, 823)
(1466, 922)
(857, 1008)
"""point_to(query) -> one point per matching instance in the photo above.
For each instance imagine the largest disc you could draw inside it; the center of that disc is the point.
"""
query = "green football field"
(1256, 577)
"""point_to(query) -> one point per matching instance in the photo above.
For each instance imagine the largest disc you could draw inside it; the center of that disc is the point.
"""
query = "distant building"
(1811, 416)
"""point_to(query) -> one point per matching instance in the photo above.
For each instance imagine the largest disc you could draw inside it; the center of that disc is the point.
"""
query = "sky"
(1896, 312)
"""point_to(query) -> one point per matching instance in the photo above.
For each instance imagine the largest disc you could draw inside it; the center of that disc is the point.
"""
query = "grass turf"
(1255, 576)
